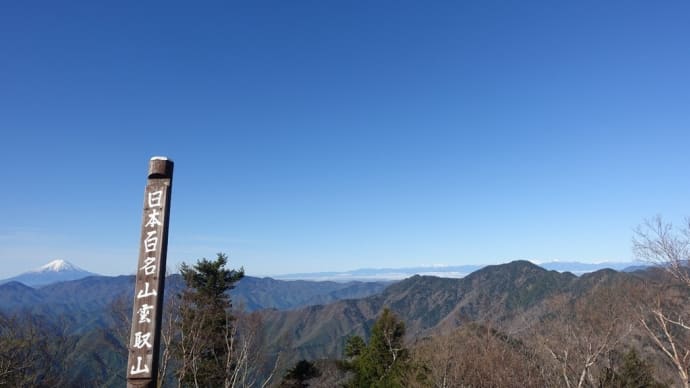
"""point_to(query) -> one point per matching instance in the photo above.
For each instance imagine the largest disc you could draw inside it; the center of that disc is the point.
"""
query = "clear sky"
(333, 135)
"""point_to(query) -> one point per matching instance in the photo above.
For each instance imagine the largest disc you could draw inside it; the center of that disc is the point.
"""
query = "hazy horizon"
(374, 273)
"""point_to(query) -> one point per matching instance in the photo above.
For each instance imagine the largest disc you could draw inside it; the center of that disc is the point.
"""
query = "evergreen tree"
(206, 325)
(354, 347)
(384, 362)
(299, 374)
(634, 373)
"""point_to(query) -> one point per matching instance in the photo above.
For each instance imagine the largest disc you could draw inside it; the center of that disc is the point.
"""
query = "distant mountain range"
(456, 271)
(60, 271)
(90, 315)
(94, 293)
(312, 320)
(53, 272)
(430, 305)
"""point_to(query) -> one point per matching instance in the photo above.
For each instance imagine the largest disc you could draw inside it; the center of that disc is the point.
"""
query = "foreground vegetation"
(512, 325)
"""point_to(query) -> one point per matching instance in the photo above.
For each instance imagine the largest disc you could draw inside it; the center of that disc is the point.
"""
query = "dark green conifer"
(633, 373)
(384, 362)
(206, 322)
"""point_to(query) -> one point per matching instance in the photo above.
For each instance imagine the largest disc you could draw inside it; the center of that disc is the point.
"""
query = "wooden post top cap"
(160, 167)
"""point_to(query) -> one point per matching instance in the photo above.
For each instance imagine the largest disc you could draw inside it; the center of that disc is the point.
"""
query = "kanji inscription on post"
(144, 343)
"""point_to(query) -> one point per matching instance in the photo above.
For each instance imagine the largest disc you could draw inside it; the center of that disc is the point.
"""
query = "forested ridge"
(514, 324)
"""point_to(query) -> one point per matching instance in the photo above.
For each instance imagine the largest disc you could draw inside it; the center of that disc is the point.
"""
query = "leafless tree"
(658, 242)
(245, 358)
(578, 352)
(663, 331)
(666, 320)
(583, 331)
(188, 342)
(168, 332)
(476, 356)
(29, 354)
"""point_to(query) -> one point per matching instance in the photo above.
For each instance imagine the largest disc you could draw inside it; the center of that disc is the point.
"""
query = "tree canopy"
(204, 346)
(384, 362)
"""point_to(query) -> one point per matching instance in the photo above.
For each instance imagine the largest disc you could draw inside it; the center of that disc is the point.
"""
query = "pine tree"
(206, 323)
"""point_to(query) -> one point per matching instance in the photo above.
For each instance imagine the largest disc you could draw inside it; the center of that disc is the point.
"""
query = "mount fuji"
(53, 272)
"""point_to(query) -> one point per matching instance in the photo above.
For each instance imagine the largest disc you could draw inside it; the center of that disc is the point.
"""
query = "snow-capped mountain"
(53, 272)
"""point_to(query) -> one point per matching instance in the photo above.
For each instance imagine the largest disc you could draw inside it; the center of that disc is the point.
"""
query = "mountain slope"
(259, 293)
(514, 295)
(16, 295)
(93, 295)
(429, 304)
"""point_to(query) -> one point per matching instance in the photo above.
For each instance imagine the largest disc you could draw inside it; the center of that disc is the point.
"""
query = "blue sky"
(332, 135)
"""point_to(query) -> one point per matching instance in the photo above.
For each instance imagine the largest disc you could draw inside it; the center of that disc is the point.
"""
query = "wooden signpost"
(144, 342)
